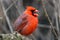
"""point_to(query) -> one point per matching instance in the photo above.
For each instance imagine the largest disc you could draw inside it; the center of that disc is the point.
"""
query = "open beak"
(36, 12)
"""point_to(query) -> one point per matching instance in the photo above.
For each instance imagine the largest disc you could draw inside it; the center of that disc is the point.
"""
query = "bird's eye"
(32, 11)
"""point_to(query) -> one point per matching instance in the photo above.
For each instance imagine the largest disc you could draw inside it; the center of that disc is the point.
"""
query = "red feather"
(26, 23)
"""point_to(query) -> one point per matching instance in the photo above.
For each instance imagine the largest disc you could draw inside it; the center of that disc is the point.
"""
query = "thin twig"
(11, 5)
(43, 5)
(7, 19)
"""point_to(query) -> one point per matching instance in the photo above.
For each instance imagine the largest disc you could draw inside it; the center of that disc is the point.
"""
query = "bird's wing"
(20, 22)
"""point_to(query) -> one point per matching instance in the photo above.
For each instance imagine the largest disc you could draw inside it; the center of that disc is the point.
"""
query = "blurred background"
(49, 17)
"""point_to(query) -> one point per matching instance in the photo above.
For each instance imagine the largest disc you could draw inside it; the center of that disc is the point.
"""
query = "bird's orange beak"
(36, 11)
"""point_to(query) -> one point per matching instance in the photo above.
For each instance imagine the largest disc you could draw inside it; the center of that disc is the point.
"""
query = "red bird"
(27, 22)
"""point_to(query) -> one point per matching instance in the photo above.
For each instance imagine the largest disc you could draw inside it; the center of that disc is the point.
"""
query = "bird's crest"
(30, 8)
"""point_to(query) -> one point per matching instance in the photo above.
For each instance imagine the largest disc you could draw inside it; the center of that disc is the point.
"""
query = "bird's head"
(32, 11)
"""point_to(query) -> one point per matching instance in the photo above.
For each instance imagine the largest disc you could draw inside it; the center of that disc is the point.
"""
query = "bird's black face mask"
(33, 11)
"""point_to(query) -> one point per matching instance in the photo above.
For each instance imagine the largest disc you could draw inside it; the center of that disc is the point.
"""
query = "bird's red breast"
(27, 22)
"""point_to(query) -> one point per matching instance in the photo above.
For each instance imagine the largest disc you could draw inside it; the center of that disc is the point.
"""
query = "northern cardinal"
(27, 22)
